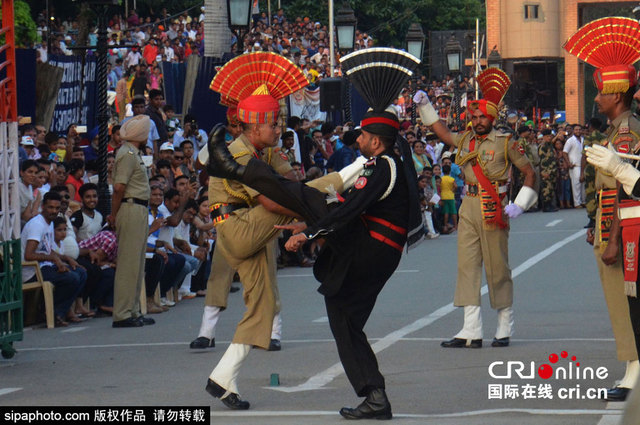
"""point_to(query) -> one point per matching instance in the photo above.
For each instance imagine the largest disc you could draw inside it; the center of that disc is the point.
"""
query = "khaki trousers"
(612, 279)
(477, 245)
(220, 279)
(132, 230)
(248, 244)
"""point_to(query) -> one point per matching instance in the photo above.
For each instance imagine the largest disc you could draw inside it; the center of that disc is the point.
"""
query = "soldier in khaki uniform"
(615, 82)
(548, 172)
(129, 216)
(485, 156)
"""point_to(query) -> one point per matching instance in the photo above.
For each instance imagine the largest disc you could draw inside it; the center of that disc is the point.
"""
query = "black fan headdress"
(379, 74)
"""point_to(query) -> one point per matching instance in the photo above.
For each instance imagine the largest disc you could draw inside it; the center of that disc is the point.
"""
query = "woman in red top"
(74, 181)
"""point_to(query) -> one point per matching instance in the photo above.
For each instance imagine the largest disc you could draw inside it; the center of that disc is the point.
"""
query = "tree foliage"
(388, 20)
(25, 26)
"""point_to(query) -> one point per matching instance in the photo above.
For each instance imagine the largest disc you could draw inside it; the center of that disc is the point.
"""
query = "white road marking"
(553, 223)
(74, 329)
(326, 376)
(553, 412)
(5, 391)
(294, 341)
(323, 319)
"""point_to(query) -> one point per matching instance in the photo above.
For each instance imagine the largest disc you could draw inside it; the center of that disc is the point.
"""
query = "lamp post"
(453, 51)
(239, 13)
(415, 46)
(104, 196)
(346, 22)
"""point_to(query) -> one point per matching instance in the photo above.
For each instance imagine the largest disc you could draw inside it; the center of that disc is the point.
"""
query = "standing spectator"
(150, 52)
(62, 271)
(346, 154)
(573, 157)
(129, 218)
(420, 160)
(154, 111)
(140, 84)
(122, 95)
(133, 58)
(447, 193)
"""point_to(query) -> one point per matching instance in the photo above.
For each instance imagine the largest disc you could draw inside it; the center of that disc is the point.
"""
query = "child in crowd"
(87, 221)
(172, 123)
(425, 192)
(59, 233)
(448, 190)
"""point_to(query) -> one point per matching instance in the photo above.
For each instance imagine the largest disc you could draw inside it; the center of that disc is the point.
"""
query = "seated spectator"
(181, 241)
(87, 221)
(29, 204)
(160, 267)
(29, 146)
(101, 251)
(61, 270)
(420, 160)
(188, 164)
(172, 210)
(75, 179)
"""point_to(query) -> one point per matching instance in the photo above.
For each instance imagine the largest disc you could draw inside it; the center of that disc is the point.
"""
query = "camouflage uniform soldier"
(589, 172)
(517, 178)
(530, 147)
(548, 172)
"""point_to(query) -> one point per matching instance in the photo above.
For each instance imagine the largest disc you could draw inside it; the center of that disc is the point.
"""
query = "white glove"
(513, 210)
(428, 115)
(607, 160)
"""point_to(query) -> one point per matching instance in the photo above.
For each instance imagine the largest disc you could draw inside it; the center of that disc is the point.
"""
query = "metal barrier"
(11, 323)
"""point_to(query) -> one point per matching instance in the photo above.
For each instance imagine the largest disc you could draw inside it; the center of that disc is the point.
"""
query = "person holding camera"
(191, 132)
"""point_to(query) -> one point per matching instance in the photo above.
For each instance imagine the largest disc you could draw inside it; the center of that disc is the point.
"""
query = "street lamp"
(415, 46)
(239, 14)
(494, 60)
(415, 40)
(345, 23)
(453, 50)
(346, 28)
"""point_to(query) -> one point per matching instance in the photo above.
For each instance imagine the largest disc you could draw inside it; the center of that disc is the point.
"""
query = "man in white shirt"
(62, 271)
(133, 58)
(572, 153)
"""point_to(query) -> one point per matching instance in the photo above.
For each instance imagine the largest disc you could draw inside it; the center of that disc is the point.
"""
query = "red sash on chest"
(630, 237)
(486, 185)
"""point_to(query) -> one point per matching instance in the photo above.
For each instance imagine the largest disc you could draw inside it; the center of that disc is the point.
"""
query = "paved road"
(558, 307)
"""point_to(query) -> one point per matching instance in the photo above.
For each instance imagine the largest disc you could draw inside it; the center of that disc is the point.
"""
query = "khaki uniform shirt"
(234, 192)
(494, 154)
(129, 169)
(623, 133)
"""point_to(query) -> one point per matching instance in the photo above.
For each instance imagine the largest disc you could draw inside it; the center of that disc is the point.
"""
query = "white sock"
(472, 328)
(226, 372)
(276, 328)
(505, 323)
(630, 375)
(351, 172)
(209, 320)
(429, 221)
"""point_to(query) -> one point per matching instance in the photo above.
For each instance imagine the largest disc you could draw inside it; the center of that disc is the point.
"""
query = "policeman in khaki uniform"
(485, 156)
(615, 79)
(129, 216)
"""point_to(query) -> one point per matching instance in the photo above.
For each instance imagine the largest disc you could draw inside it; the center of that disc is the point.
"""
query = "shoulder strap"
(392, 180)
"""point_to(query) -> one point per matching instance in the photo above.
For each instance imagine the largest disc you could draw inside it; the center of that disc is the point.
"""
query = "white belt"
(629, 212)
(501, 189)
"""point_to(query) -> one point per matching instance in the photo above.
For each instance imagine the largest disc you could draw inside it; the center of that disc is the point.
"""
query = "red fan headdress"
(256, 81)
(493, 83)
(232, 109)
(612, 45)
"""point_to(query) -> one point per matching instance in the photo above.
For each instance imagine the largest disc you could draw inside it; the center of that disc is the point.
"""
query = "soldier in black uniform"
(380, 212)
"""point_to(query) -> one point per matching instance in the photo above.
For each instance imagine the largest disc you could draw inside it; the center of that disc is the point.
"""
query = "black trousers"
(634, 312)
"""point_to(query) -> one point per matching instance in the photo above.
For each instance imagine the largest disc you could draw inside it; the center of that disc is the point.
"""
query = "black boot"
(221, 162)
(375, 406)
